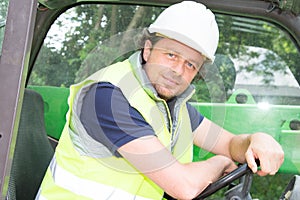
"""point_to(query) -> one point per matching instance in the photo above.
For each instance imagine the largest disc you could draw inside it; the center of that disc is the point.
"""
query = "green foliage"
(263, 188)
(282, 52)
(260, 48)
(3, 9)
(3, 12)
(46, 72)
(269, 187)
(216, 82)
(97, 42)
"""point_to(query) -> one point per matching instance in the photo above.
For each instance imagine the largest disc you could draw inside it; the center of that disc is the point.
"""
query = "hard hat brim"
(182, 39)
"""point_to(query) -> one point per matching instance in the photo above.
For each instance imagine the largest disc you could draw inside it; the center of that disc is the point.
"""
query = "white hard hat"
(190, 23)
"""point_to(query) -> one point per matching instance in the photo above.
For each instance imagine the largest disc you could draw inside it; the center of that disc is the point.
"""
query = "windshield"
(85, 39)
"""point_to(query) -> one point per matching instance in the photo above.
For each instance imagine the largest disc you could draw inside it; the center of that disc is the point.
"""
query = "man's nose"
(178, 66)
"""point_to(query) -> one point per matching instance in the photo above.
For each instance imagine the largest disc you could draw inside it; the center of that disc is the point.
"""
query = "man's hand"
(267, 150)
(242, 147)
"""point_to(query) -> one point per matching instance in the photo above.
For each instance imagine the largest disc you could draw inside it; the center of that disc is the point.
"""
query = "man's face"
(171, 66)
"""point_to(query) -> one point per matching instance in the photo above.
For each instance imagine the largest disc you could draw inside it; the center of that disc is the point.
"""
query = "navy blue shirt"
(115, 122)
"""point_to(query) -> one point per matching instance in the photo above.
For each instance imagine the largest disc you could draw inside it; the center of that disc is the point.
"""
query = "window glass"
(3, 13)
(255, 57)
(248, 58)
(86, 38)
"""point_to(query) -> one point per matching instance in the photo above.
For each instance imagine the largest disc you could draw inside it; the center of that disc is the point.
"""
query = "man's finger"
(250, 158)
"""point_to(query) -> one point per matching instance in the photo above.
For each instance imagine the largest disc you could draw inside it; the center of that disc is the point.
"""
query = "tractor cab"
(48, 45)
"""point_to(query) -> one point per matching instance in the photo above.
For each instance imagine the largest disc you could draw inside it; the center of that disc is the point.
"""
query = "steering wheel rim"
(224, 181)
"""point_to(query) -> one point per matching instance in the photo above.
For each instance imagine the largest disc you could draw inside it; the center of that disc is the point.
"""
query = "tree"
(46, 70)
(259, 47)
(3, 12)
(101, 36)
(92, 46)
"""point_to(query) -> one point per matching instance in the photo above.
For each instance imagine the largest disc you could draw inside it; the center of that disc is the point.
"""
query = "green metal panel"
(56, 107)
(251, 117)
(238, 118)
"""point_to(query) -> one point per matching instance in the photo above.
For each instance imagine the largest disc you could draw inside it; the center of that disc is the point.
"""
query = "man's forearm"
(238, 147)
(189, 180)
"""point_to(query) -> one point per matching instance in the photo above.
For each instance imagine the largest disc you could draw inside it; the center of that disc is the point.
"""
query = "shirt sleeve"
(109, 119)
(195, 116)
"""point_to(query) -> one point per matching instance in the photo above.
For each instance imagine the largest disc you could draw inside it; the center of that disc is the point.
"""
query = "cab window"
(249, 59)
(89, 37)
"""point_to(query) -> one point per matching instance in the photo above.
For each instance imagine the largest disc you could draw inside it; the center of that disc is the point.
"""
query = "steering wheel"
(240, 191)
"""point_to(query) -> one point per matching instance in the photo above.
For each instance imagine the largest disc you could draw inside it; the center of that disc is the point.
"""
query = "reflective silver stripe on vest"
(87, 188)
(40, 197)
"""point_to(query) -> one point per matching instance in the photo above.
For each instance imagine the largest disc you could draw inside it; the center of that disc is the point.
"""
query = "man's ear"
(147, 50)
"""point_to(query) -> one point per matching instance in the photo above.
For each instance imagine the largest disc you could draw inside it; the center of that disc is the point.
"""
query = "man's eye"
(190, 65)
(171, 55)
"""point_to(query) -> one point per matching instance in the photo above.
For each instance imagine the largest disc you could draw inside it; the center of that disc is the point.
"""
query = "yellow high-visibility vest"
(80, 172)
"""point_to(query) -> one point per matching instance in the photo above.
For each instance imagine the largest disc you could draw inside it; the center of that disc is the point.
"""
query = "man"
(130, 130)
